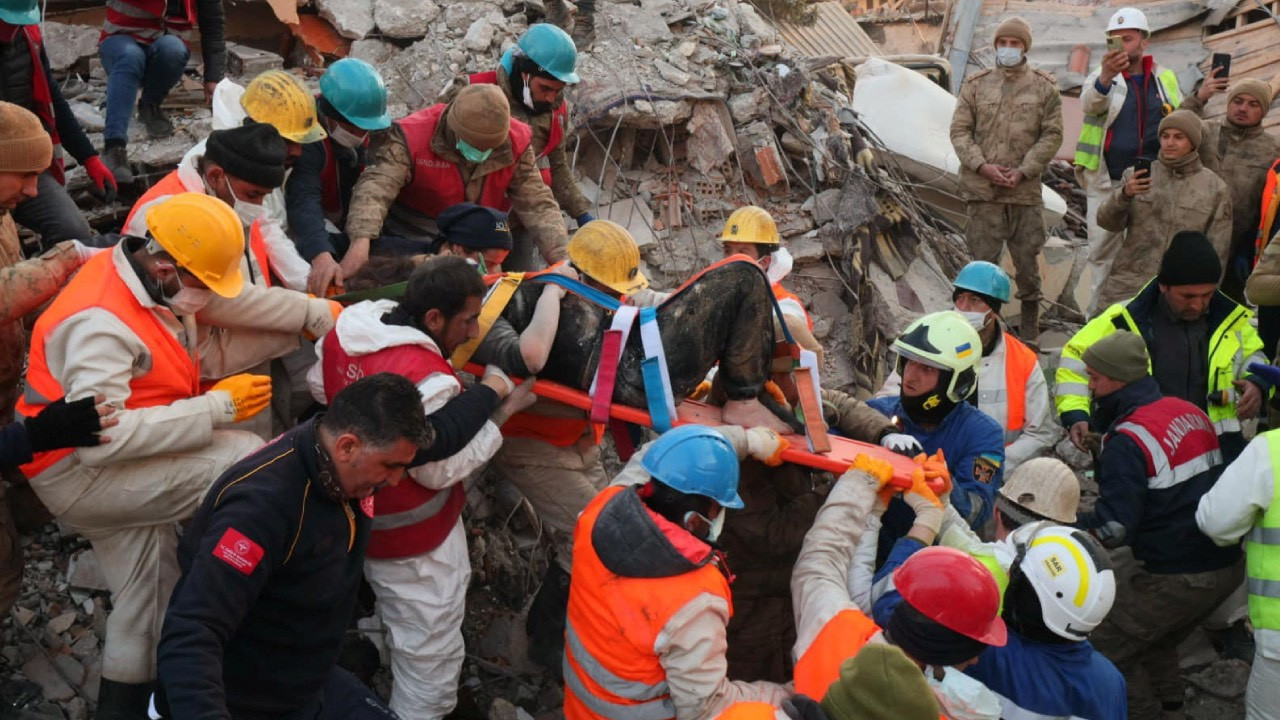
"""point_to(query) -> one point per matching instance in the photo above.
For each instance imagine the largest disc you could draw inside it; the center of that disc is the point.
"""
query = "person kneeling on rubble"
(125, 327)
(646, 569)
(418, 563)
(938, 358)
(469, 150)
(271, 562)
(949, 617)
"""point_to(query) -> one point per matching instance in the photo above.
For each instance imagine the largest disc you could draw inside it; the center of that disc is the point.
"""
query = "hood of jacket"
(633, 541)
(361, 330)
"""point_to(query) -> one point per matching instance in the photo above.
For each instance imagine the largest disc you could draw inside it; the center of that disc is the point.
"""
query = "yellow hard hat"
(279, 99)
(204, 235)
(606, 252)
(751, 224)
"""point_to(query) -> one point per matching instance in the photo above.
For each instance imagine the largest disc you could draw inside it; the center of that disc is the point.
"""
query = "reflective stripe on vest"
(147, 21)
(614, 624)
(173, 374)
(1262, 552)
(1093, 130)
(840, 639)
(408, 519)
(1177, 439)
(436, 183)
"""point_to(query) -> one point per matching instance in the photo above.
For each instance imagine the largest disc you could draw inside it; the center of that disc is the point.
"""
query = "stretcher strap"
(495, 301)
(622, 442)
(611, 347)
(809, 390)
(657, 379)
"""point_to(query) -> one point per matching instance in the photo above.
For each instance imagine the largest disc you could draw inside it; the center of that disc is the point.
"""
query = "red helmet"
(953, 589)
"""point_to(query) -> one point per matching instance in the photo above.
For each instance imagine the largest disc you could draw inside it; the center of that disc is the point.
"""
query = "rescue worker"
(938, 358)
(951, 609)
(1243, 505)
(534, 75)
(879, 683)
(1006, 128)
(271, 562)
(1263, 287)
(1237, 148)
(1176, 195)
(481, 235)
(1040, 489)
(1011, 384)
(646, 569)
(145, 45)
(417, 557)
(467, 150)
(751, 231)
(29, 82)
(1199, 340)
(352, 107)
(1159, 456)
(1124, 101)
(124, 327)
(25, 286)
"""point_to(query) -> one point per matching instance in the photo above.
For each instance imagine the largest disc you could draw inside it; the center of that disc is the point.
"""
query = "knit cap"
(24, 145)
(1121, 356)
(880, 683)
(1187, 122)
(480, 116)
(1257, 89)
(1014, 27)
(253, 152)
(474, 226)
(1190, 260)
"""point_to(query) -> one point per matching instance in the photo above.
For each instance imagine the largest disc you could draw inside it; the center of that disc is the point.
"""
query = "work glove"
(923, 500)
(1270, 373)
(243, 396)
(585, 218)
(882, 472)
(703, 389)
(901, 443)
(493, 371)
(104, 183)
(83, 252)
(776, 393)
(933, 470)
(65, 424)
(520, 398)
(322, 315)
(866, 160)
(766, 445)
(803, 707)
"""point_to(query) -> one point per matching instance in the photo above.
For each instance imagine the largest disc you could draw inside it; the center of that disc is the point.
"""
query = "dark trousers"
(52, 214)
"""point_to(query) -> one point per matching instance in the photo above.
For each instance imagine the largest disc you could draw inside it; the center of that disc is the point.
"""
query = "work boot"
(154, 120)
(584, 24)
(546, 620)
(1029, 327)
(123, 701)
(116, 157)
(1234, 642)
(559, 14)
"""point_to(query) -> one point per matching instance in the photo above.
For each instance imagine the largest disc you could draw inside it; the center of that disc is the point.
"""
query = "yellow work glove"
(322, 315)
(934, 472)
(866, 160)
(766, 445)
(882, 471)
(243, 396)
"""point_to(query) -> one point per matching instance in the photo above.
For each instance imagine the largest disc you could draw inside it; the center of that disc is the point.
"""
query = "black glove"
(803, 707)
(64, 425)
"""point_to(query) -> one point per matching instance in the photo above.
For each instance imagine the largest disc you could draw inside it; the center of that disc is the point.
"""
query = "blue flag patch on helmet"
(963, 351)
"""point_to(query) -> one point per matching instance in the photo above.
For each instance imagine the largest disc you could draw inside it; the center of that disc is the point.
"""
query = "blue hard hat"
(552, 49)
(354, 88)
(984, 278)
(696, 460)
(20, 12)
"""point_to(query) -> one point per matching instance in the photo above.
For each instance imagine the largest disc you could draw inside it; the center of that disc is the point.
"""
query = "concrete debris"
(62, 623)
(710, 143)
(244, 61)
(351, 18)
(88, 116)
(481, 32)
(41, 672)
(83, 571)
(67, 44)
(405, 18)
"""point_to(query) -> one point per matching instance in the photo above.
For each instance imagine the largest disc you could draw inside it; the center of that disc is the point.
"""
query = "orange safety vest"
(780, 293)
(611, 671)
(1270, 201)
(148, 20)
(173, 374)
(840, 639)
(436, 183)
(558, 431)
(171, 184)
(559, 117)
(1019, 363)
(749, 711)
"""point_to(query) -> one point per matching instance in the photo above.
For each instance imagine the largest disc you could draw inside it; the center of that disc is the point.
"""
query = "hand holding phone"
(1114, 43)
(1139, 181)
(1222, 63)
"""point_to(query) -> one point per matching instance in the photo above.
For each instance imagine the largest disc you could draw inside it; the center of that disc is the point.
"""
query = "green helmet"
(946, 341)
(354, 88)
(20, 12)
(552, 49)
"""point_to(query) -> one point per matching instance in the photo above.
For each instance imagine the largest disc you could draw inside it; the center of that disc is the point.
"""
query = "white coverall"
(421, 599)
(126, 495)
(1226, 514)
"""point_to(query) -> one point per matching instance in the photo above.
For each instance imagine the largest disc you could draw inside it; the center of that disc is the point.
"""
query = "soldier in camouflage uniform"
(1006, 128)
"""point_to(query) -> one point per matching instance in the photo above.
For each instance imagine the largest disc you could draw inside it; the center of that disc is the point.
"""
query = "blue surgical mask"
(472, 153)
(1008, 56)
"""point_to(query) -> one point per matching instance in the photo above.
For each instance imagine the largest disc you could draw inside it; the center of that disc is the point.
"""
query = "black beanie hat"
(474, 226)
(928, 641)
(1190, 260)
(253, 152)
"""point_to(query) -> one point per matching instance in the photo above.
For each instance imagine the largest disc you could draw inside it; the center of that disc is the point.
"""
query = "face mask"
(347, 139)
(247, 212)
(977, 320)
(188, 301)
(537, 108)
(471, 153)
(1008, 56)
(700, 527)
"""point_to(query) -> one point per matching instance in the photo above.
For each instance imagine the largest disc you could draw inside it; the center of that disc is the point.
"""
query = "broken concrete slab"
(634, 215)
(247, 62)
(66, 44)
(481, 32)
(405, 18)
(645, 27)
(710, 142)
(83, 571)
(63, 622)
(351, 18)
(41, 672)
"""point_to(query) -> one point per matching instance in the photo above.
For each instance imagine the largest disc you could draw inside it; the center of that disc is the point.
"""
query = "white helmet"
(946, 341)
(1128, 18)
(1071, 575)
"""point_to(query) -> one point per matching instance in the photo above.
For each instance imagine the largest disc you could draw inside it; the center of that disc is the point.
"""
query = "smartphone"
(1221, 60)
(1114, 42)
(1142, 163)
